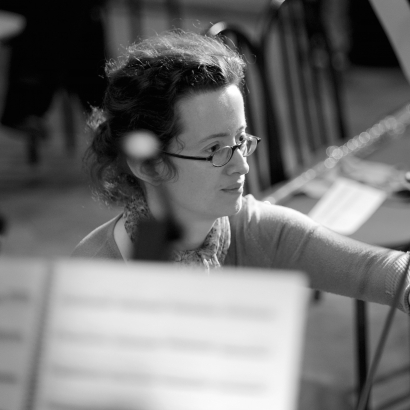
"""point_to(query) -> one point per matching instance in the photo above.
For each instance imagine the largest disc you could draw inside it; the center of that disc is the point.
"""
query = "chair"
(266, 164)
(315, 114)
(304, 63)
(302, 103)
(313, 82)
(298, 104)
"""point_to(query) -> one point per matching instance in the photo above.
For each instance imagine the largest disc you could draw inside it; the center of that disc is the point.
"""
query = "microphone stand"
(155, 237)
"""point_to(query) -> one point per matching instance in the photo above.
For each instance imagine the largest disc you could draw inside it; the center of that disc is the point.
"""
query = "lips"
(234, 187)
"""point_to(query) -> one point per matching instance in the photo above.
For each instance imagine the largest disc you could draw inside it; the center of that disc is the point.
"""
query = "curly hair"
(144, 86)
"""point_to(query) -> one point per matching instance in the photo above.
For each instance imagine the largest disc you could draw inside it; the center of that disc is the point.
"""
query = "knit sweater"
(275, 237)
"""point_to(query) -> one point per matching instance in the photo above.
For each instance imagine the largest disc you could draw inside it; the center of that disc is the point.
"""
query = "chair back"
(305, 78)
(293, 90)
(266, 164)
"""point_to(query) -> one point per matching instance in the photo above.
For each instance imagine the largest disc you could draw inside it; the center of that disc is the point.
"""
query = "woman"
(187, 90)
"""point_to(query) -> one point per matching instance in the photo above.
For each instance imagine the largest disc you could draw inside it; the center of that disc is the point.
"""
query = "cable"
(364, 396)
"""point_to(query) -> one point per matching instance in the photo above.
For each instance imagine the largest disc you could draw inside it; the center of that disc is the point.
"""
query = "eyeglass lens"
(223, 155)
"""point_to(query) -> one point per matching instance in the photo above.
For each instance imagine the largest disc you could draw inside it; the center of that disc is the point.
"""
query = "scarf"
(210, 255)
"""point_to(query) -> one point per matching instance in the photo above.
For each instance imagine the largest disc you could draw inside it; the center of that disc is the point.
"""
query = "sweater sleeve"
(99, 244)
(275, 237)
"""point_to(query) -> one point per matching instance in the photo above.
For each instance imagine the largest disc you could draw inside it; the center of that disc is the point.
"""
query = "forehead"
(209, 113)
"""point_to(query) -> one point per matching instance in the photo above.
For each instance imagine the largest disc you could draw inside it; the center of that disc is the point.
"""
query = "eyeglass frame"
(210, 157)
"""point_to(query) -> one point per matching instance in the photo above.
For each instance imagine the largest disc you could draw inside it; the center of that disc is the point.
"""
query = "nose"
(237, 164)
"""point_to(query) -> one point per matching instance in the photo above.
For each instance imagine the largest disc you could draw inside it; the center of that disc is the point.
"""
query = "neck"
(193, 235)
(194, 231)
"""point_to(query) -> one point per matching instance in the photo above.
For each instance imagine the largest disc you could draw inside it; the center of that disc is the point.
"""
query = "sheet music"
(21, 300)
(394, 16)
(347, 205)
(156, 337)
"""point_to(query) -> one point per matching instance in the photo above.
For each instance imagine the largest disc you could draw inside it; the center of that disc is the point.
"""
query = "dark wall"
(369, 43)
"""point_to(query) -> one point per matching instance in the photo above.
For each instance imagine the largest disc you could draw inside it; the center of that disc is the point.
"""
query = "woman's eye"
(213, 148)
(241, 138)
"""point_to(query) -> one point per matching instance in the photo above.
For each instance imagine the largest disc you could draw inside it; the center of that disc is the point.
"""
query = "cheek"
(194, 183)
(196, 179)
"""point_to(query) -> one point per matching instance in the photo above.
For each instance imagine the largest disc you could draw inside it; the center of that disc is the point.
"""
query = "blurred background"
(45, 197)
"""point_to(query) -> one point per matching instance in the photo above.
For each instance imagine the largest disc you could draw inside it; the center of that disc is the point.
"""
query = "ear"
(146, 171)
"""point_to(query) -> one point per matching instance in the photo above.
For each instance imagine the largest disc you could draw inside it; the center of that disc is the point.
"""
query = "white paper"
(21, 300)
(347, 205)
(158, 337)
(394, 16)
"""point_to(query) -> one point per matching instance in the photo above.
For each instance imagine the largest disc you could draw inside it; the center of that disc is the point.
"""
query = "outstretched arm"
(276, 237)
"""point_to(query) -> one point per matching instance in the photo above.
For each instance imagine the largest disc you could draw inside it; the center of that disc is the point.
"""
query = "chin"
(235, 208)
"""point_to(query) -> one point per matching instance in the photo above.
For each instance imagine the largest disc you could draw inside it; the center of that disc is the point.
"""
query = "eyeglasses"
(223, 155)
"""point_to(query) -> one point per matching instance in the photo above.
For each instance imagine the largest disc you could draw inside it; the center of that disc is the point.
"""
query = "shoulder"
(262, 233)
(100, 243)
(257, 214)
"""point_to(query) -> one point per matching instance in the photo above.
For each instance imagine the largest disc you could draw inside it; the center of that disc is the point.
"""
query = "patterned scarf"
(211, 254)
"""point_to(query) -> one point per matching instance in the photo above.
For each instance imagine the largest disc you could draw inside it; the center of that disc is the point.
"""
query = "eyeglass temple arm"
(188, 157)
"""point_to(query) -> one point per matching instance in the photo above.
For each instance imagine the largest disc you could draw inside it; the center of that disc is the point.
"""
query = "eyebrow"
(221, 134)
